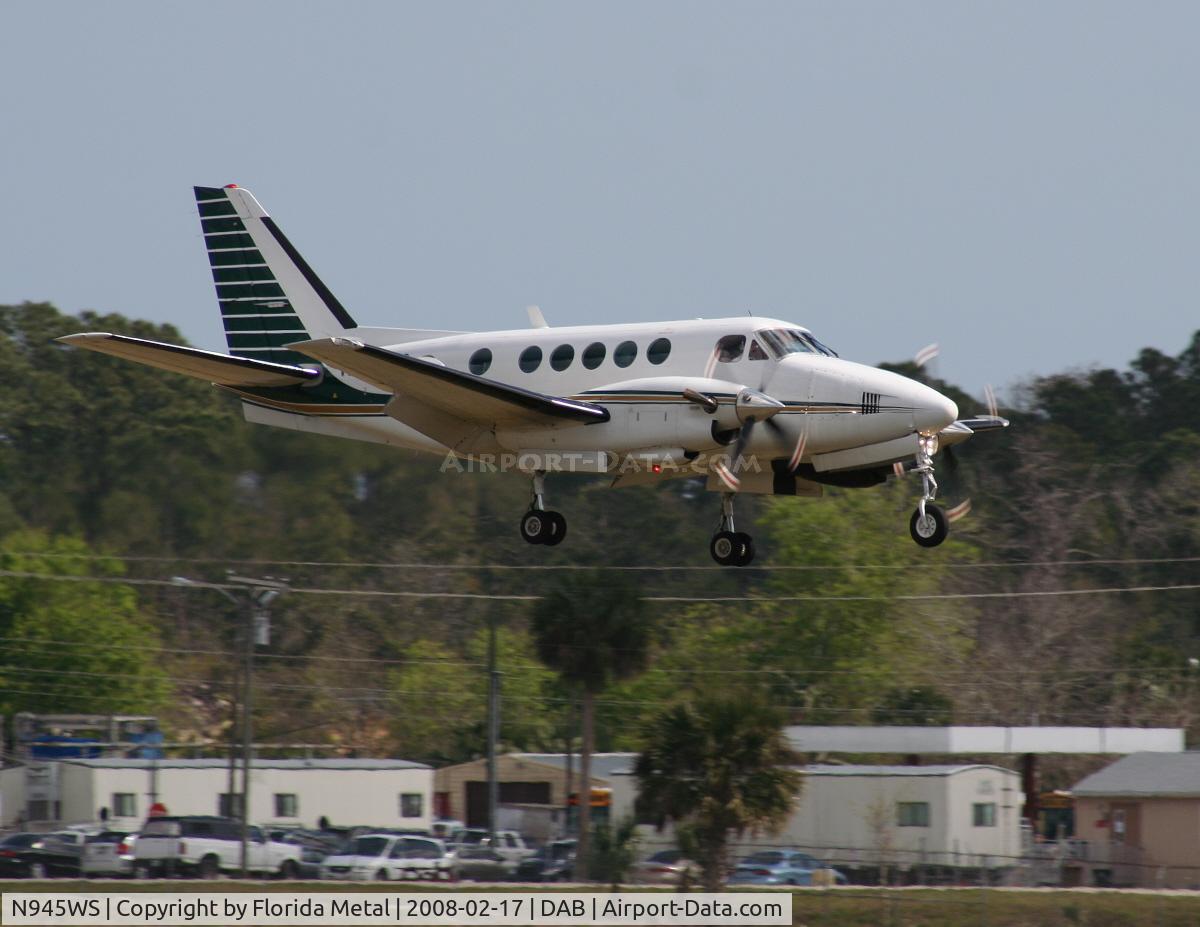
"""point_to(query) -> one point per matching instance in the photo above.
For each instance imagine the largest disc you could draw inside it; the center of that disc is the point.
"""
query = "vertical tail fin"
(269, 296)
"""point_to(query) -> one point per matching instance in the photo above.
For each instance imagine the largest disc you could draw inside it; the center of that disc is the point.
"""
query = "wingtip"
(80, 337)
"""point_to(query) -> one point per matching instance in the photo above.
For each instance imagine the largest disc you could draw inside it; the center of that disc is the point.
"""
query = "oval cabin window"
(480, 361)
(561, 357)
(530, 359)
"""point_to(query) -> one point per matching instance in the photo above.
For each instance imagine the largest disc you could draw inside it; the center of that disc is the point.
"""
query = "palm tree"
(718, 767)
(592, 629)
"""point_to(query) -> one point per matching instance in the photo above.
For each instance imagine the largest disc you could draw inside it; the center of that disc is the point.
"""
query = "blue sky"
(1017, 181)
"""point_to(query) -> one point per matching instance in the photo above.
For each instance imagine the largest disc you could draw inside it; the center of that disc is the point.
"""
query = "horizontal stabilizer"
(456, 393)
(204, 365)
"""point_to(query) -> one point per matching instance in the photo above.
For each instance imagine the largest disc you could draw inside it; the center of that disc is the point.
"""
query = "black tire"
(558, 529)
(747, 551)
(931, 531)
(289, 870)
(381, 876)
(535, 526)
(209, 868)
(725, 547)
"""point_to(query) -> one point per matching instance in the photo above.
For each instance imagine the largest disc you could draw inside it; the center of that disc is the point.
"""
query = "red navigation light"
(230, 186)
(657, 468)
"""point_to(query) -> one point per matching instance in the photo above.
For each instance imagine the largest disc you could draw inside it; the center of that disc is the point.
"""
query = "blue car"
(780, 867)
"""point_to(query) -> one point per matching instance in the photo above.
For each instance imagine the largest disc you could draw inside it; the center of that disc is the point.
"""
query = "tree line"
(129, 475)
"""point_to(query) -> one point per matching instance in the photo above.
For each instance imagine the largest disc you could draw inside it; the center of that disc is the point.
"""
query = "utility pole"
(257, 632)
(260, 593)
(493, 726)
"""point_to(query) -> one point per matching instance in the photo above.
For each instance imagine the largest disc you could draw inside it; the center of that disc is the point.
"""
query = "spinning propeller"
(751, 406)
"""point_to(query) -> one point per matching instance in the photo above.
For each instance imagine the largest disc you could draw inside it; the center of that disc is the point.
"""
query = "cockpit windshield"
(784, 341)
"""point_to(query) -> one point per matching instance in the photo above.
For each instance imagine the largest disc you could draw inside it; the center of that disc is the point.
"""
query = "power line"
(768, 599)
(568, 567)
(51, 646)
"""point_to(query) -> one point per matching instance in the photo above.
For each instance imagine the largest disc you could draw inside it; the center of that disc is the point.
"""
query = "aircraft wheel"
(746, 553)
(536, 526)
(931, 530)
(558, 529)
(726, 548)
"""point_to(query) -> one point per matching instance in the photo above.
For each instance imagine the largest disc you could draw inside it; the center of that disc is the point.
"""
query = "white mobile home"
(382, 793)
(907, 815)
(960, 816)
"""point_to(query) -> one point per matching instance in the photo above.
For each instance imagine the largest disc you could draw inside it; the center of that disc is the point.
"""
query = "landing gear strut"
(730, 547)
(539, 526)
(928, 525)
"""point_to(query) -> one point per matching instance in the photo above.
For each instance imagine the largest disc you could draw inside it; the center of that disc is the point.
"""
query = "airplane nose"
(933, 410)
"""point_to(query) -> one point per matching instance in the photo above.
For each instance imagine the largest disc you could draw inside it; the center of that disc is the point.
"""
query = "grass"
(842, 907)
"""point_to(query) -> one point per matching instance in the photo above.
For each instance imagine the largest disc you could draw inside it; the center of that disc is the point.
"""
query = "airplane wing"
(204, 365)
(454, 393)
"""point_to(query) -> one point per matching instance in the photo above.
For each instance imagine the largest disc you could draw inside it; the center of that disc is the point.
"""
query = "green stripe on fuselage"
(259, 340)
(228, 240)
(219, 208)
(226, 224)
(255, 306)
(241, 256)
(257, 290)
(242, 274)
(247, 323)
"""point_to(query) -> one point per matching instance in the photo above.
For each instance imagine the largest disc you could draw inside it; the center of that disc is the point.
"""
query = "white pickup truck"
(509, 845)
(204, 847)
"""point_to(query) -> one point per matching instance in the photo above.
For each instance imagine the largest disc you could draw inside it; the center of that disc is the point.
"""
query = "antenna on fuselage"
(536, 319)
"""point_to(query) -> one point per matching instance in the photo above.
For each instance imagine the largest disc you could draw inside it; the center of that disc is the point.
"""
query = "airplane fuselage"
(638, 372)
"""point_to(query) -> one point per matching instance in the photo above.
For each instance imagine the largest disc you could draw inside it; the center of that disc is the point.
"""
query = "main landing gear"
(928, 525)
(539, 526)
(728, 546)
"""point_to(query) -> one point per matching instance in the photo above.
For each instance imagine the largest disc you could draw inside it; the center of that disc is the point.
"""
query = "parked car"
(13, 863)
(666, 867)
(508, 843)
(782, 867)
(445, 828)
(74, 853)
(314, 846)
(206, 846)
(390, 857)
(483, 863)
(554, 862)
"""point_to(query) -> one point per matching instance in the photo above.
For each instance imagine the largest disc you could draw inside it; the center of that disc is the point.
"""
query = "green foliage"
(73, 646)
(719, 767)
(592, 629)
(439, 698)
(613, 852)
(1099, 465)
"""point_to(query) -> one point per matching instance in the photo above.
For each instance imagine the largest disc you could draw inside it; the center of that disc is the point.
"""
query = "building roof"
(849, 770)
(976, 740)
(259, 763)
(604, 765)
(1175, 775)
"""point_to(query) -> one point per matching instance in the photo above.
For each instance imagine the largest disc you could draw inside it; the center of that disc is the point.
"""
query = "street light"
(260, 593)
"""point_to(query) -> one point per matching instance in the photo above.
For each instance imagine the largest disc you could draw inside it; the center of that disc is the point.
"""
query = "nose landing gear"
(539, 526)
(730, 547)
(928, 525)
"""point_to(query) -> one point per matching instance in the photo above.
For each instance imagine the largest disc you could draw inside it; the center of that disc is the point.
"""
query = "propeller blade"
(951, 459)
(989, 396)
(959, 511)
(743, 439)
(725, 475)
(926, 354)
(707, 403)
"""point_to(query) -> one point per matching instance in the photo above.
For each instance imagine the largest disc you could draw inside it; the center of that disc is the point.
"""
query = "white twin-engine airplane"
(644, 402)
